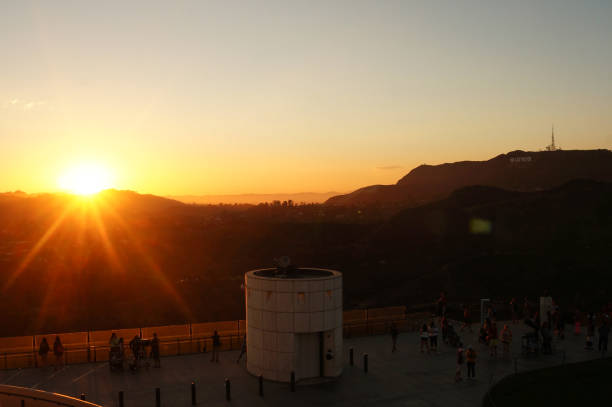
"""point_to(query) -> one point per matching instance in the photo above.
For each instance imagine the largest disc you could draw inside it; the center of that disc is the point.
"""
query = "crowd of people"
(141, 352)
(498, 341)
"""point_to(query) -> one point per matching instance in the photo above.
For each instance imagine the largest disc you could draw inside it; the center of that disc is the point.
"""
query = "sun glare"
(86, 179)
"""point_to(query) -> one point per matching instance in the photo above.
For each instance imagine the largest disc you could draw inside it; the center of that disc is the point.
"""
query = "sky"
(224, 97)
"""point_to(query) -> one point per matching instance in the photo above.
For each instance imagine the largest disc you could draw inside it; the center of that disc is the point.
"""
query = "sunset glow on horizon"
(85, 179)
(195, 98)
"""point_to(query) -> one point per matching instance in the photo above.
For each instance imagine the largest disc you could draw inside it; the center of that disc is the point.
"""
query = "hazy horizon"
(226, 98)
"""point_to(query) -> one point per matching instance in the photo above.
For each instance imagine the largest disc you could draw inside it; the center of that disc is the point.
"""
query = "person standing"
(458, 377)
(424, 338)
(467, 323)
(492, 337)
(514, 309)
(506, 338)
(394, 335)
(526, 310)
(442, 304)
(433, 337)
(444, 326)
(470, 356)
(216, 343)
(243, 349)
(155, 350)
(604, 332)
(58, 351)
(590, 333)
(43, 351)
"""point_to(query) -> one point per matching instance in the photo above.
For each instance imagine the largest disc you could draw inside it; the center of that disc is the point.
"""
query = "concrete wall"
(278, 309)
(11, 396)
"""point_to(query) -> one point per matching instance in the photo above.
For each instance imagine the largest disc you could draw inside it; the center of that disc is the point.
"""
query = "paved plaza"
(404, 378)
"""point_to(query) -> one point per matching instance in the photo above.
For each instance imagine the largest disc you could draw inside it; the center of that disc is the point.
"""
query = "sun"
(85, 179)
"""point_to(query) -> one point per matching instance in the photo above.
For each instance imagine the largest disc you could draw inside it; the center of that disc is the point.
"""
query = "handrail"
(45, 396)
(372, 322)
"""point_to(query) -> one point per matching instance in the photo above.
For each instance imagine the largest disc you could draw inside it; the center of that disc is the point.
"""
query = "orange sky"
(218, 98)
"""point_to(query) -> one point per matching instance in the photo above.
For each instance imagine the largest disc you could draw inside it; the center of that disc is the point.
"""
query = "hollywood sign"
(520, 159)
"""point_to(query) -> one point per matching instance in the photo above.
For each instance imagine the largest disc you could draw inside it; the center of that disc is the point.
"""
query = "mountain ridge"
(516, 171)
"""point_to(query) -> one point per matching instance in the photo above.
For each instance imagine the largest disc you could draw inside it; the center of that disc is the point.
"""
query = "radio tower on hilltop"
(552, 146)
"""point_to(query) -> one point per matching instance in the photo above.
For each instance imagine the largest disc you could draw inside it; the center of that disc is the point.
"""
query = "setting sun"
(86, 179)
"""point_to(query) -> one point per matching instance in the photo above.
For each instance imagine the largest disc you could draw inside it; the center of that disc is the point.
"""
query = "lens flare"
(85, 179)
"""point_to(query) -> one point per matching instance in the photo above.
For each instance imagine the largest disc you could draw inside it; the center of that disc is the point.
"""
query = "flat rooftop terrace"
(406, 377)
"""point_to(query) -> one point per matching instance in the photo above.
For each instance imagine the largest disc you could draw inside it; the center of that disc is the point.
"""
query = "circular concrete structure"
(294, 323)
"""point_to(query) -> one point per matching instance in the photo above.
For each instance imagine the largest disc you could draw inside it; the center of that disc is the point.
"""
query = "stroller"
(115, 358)
(530, 344)
(452, 336)
(139, 354)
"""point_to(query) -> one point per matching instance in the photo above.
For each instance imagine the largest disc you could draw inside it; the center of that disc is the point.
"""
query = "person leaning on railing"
(43, 351)
(155, 350)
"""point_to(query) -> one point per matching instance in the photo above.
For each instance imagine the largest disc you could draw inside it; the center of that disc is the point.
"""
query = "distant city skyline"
(219, 98)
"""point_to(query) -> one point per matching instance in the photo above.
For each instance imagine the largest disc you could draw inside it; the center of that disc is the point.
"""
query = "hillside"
(126, 259)
(516, 171)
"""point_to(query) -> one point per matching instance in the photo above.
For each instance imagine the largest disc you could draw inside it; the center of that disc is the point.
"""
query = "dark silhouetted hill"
(124, 259)
(516, 171)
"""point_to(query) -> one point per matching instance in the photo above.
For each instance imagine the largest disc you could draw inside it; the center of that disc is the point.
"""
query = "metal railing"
(92, 346)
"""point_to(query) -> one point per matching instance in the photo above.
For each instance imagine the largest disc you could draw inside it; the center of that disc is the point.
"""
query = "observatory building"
(294, 323)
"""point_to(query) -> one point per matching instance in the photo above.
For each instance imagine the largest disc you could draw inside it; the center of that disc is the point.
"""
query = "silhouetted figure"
(470, 355)
(216, 343)
(135, 346)
(155, 351)
(442, 304)
(394, 335)
(113, 342)
(58, 351)
(526, 310)
(243, 348)
(467, 320)
(590, 333)
(514, 309)
(433, 336)
(43, 351)
(444, 327)
(424, 338)
(546, 339)
(604, 332)
(458, 377)
(492, 335)
(506, 338)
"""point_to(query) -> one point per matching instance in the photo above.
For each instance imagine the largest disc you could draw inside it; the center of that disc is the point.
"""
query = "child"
(458, 377)
(424, 338)
(433, 337)
(471, 362)
(589, 336)
(577, 328)
(506, 337)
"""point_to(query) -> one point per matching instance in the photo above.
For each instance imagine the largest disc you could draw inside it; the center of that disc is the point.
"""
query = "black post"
(157, 397)
(292, 381)
(193, 394)
(22, 403)
(120, 399)
(351, 357)
(365, 362)
(228, 395)
(83, 396)
(261, 385)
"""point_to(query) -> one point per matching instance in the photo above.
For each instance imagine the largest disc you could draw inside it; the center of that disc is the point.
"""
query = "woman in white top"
(433, 336)
(424, 338)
